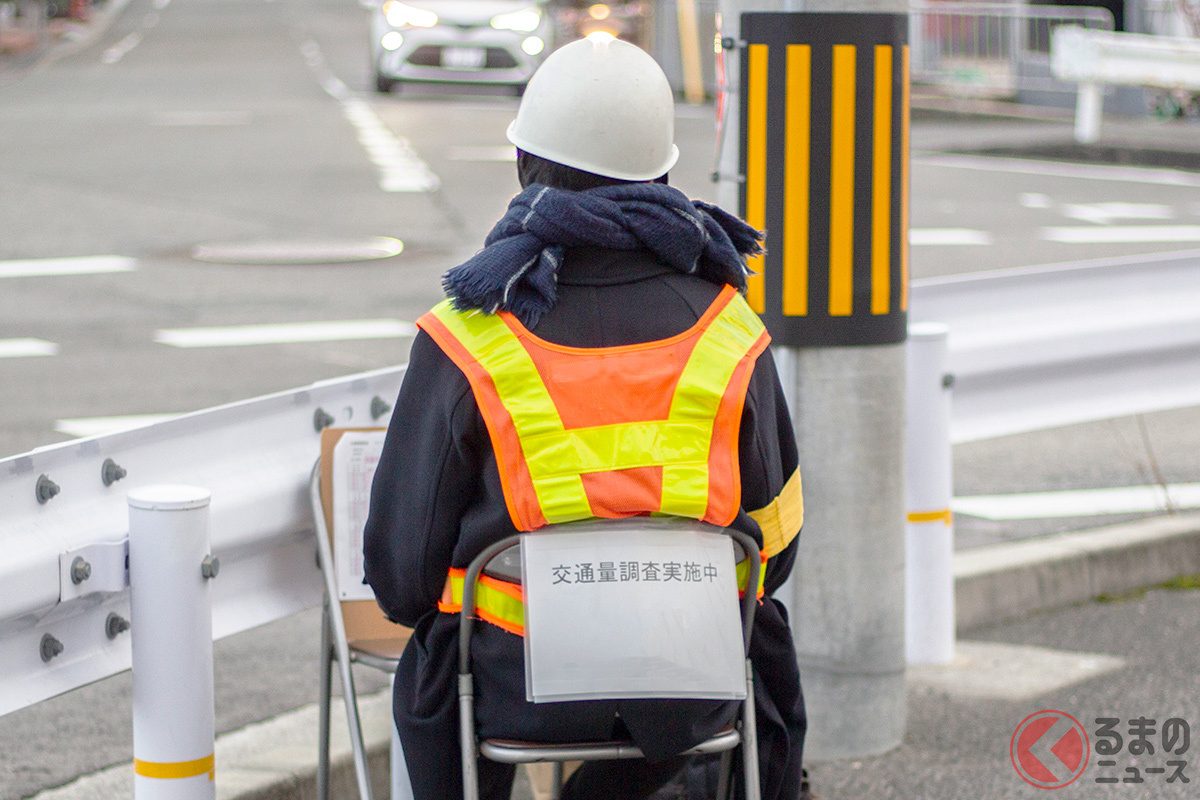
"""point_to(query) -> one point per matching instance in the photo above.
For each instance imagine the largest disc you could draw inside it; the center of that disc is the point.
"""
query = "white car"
(459, 41)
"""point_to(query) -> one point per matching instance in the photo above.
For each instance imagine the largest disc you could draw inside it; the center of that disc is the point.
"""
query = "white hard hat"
(600, 105)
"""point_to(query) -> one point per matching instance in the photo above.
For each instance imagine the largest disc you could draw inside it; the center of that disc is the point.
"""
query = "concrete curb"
(271, 760)
(276, 759)
(1002, 582)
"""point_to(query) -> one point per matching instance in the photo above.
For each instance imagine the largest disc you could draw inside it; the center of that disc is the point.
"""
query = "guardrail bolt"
(210, 566)
(50, 647)
(46, 489)
(111, 472)
(81, 570)
(322, 419)
(379, 407)
(948, 380)
(115, 625)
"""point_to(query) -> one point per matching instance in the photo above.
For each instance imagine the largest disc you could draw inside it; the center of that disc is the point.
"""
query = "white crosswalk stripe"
(241, 335)
(25, 348)
(84, 265)
(1123, 234)
(947, 236)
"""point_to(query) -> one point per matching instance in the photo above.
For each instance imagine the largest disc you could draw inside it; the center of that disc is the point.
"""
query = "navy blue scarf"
(517, 270)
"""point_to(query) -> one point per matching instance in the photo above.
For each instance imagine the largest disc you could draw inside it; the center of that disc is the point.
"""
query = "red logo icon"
(1049, 749)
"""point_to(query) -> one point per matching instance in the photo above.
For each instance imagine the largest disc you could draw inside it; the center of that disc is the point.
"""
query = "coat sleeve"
(426, 477)
(770, 472)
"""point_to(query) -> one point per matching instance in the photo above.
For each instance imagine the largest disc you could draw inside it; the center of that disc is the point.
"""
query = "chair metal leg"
(326, 691)
(725, 775)
(466, 729)
(750, 739)
(556, 781)
(338, 635)
(350, 696)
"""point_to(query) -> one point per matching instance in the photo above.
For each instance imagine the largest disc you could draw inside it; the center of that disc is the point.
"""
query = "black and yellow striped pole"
(822, 167)
(825, 159)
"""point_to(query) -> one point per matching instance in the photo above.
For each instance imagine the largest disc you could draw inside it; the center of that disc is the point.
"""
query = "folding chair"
(352, 631)
(507, 751)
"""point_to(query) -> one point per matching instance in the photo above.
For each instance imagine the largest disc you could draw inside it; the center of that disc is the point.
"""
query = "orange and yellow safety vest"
(605, 432)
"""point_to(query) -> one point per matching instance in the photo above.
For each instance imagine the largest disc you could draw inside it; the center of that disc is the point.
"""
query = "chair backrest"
(637, 615)
(366, 625)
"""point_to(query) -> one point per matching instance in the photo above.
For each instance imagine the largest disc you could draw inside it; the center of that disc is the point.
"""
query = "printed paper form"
(355, 457)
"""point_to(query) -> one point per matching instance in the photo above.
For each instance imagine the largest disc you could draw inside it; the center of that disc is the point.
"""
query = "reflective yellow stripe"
(796, 179)
(611, 447)
(742, 571)
(881, 192)
(945, 515)
(698, 398)
(781, 519)
(175, 769)
(756, 166)
(523, 393)
(490, 601)
(508, 611)
(841, 183)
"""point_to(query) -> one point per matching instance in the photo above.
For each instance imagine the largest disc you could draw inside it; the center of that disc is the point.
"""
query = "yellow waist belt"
(502, 603)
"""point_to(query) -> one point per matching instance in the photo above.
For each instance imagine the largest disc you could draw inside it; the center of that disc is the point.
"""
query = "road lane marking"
(119, 50)
(400, 168)
(482, 153)
(286, 333)
(85, 265)
(197, 119)
(947, 236)
(1057, 169)
(95, 426)
(1080, 502)
(1123, 234)
(1034, 200)
(26, 348)
(1105, 213)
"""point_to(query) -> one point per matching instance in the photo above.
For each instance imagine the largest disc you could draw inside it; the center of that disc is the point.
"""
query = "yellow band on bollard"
(945, 515)
(175, 769)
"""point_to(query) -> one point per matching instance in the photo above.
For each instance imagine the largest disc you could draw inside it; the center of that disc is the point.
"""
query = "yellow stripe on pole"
(881, 184)
(756, 166)
(904, 124)
(945, 516)
(166, 770)
(796, 184)
(841, 184)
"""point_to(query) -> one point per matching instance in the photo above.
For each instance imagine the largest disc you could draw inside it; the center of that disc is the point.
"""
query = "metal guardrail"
(1040, 347)
(64, 527)
(1167, 18)
(1029, 348)
(991, 49)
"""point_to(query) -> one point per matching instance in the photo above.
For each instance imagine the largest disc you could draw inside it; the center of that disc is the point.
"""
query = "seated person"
(588, 306)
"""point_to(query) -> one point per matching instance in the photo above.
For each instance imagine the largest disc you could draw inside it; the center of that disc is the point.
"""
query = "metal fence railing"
(991, 49)
(1168, 18)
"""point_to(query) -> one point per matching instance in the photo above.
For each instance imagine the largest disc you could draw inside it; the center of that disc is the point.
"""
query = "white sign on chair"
(631, 608)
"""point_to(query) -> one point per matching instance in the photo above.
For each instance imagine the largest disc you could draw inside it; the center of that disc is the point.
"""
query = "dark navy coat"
(437, 502)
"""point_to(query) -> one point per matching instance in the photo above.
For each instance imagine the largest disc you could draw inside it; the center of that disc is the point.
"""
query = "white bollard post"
(929, 552)
(1089, 108)
(171, 616)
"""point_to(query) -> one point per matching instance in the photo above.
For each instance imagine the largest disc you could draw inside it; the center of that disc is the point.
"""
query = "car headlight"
(525, 20)
(399, 15)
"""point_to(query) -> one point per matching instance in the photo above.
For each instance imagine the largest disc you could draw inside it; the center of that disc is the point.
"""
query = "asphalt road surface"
(195, 124)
